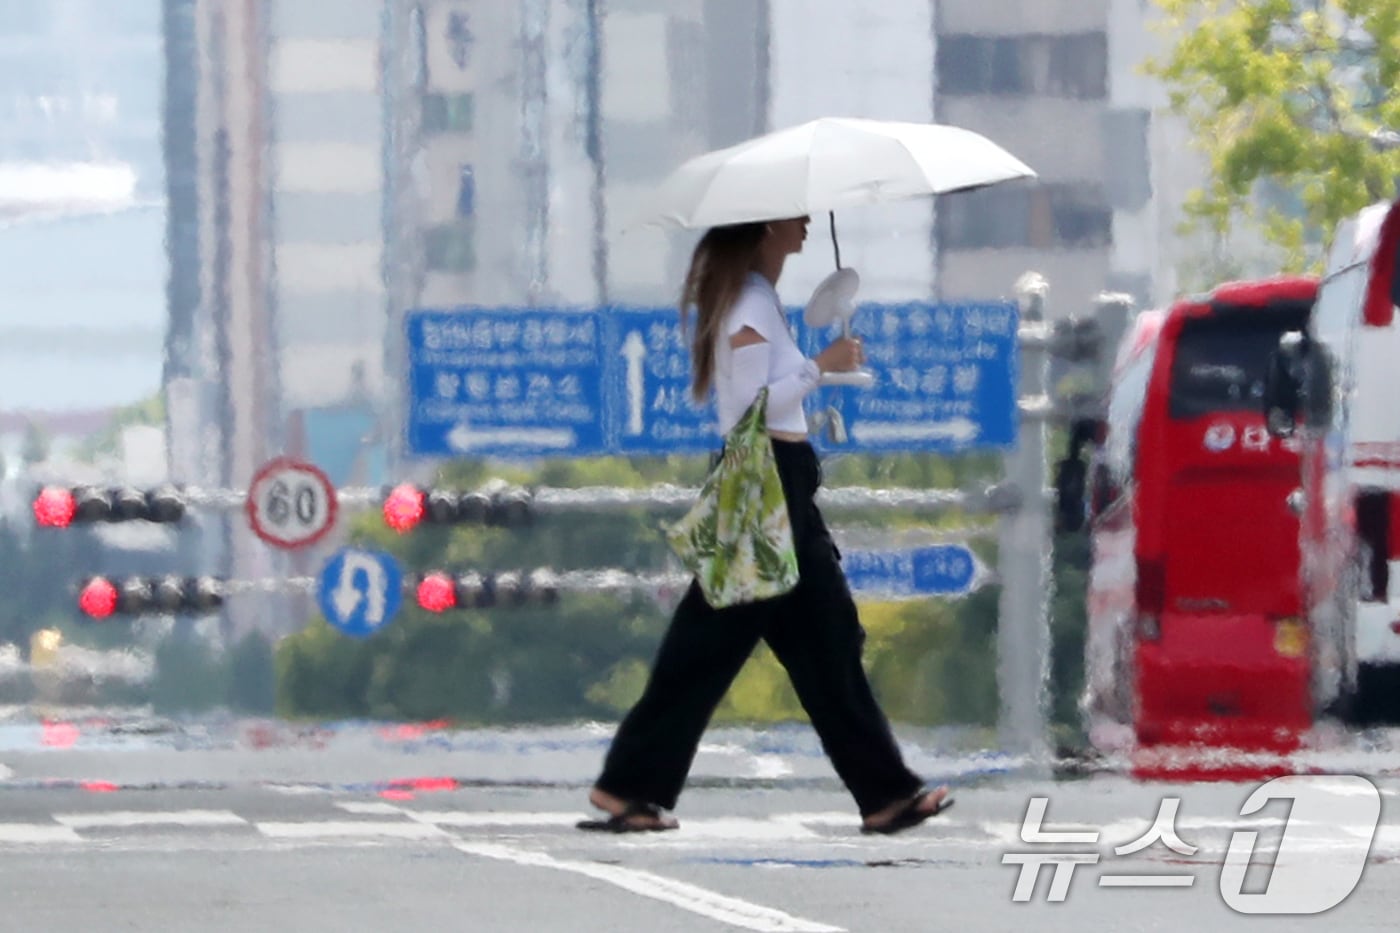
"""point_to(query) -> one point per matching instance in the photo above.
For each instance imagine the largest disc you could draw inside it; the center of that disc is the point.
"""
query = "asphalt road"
(121, 827)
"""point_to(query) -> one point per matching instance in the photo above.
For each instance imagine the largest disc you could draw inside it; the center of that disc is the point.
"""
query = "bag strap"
(753, 422)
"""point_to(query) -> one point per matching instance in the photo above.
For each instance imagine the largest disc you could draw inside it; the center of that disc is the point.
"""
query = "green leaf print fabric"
(737, 539)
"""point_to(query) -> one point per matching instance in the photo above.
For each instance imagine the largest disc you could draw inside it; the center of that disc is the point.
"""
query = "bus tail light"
(1151, 586)
(1290, 638)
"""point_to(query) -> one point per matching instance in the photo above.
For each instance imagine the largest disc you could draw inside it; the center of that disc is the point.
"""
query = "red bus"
(1194, 636)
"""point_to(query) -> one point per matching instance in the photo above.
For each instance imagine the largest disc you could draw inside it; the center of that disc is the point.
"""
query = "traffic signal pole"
(1024, 552)
(1081, 350)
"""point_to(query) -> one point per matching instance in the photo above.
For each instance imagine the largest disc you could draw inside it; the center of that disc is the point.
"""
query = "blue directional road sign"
(360, 591)
(937, 570)
(945, 378)
(648, 386)
(528, 383)
(517, 382)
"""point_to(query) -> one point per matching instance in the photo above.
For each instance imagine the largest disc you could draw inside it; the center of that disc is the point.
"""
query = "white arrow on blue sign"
(945, 377)
(360, 591)
(937, 570)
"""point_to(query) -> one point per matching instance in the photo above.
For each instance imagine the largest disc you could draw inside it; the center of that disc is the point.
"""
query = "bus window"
(1373, 532)
(1125, 408)
(1222, 362)
(1332, 321)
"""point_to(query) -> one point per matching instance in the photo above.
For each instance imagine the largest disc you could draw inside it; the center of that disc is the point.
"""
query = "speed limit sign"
(291, 503)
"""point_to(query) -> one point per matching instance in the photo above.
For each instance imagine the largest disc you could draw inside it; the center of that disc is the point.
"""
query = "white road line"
(122, 819)
(5, 773)
(350, 829)
(780, 827)
(837, 818)
(370, 808)
(36, 833)
(737, 829)
(681, 894)
(492, 819)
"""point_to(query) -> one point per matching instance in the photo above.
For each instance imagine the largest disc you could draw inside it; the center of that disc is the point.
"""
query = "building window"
(419, 51)
(448, 113)
(1081, 216)
(466, 192)
(460, 38)
(1050, 216)
(452, 247)
(992, 218)
(1071, 66)
(1078, 66)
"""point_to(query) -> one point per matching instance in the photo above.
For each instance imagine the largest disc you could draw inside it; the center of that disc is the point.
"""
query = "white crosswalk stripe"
(350, 829)
(122, 819)
(36, 834)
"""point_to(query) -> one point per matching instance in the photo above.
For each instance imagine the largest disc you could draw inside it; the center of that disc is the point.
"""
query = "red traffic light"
(440, 591)
(98, 598)
(55, 507)
(103, 597)
(403, 508)
(437, 592)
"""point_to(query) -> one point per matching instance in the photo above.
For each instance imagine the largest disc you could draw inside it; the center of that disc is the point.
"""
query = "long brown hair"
(718, 267)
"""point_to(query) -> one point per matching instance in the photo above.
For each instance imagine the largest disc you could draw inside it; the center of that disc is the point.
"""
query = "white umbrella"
(826, 165)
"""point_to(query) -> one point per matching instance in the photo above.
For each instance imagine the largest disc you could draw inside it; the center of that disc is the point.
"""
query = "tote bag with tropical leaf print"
(737, 538)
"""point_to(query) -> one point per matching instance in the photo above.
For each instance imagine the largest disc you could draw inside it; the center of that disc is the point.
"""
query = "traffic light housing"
(440, 591)
(103, 597)
(1079, 377)
(1073, 374)
(1082, 352)
(406, 506)
(61, 507)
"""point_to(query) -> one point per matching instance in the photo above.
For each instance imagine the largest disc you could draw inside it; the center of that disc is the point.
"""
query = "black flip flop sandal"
(628, 821)
(909, 816)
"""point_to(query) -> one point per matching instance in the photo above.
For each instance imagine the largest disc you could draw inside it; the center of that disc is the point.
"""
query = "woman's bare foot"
(906, 813)
(606, 802)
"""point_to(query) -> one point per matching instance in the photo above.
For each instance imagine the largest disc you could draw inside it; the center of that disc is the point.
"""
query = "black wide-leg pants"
(814, 632)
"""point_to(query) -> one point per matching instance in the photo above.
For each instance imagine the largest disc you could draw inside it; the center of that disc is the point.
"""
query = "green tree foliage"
(1283, 97)
(148, 412)
(190, 676)
(250, 679)
(1068, 616)
(322, 674)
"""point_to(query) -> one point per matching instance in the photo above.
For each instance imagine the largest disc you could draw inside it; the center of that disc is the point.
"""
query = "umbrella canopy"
(827, 165)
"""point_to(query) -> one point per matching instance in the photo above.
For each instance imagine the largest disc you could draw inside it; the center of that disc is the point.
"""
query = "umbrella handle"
(835, 245)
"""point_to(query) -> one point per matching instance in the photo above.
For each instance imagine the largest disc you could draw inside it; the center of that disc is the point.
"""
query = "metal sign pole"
(1023, 554)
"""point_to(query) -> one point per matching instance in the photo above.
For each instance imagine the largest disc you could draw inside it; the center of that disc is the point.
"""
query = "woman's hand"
(841, 356)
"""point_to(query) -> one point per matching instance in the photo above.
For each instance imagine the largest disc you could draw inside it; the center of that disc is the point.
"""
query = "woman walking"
(742, 344)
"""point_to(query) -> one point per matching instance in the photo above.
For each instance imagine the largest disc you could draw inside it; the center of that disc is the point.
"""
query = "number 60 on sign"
(291, 503)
